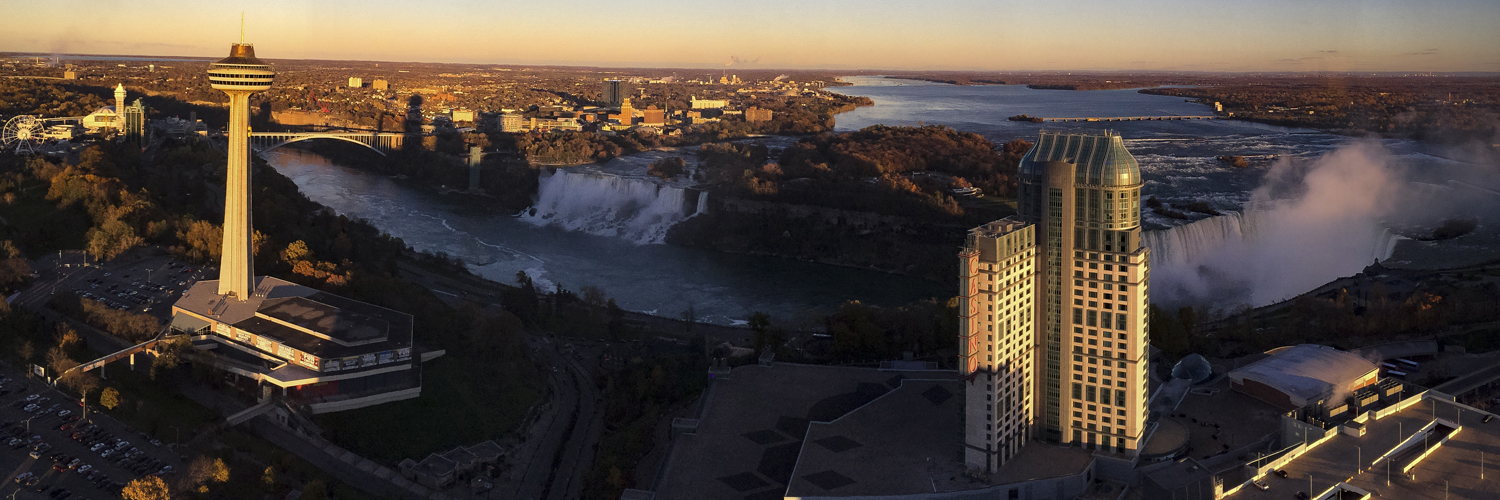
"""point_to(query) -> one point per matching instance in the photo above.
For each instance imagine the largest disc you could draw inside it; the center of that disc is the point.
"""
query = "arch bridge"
(379, 142)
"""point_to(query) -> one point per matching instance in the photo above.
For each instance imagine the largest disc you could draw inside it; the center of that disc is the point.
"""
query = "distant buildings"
(707, 103)
(356, 82)
(70, 75)
(755, 114)
(653, 117)
(626, 116)
(511, 122)
(381, 85)
(463, 115)
(612, 93)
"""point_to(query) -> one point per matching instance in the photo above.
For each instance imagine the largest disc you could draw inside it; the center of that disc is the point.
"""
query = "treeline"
(19, 96)
(908, 171)
(1446, 109)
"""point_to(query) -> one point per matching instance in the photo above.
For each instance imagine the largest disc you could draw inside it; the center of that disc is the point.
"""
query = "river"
(601, 225)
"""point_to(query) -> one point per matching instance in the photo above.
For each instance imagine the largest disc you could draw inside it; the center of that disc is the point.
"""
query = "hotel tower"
(238, 75)
(1053, 306)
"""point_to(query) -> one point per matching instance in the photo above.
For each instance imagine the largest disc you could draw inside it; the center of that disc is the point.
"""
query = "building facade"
(707, 103)
(356, 82)
(135, 123)
(611, 93)
(1082, 192)
(997, 270)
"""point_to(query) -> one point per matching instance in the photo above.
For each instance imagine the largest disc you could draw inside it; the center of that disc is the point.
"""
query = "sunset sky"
(1194, 35)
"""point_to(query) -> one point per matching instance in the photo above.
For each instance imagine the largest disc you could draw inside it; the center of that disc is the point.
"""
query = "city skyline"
(1138, 35)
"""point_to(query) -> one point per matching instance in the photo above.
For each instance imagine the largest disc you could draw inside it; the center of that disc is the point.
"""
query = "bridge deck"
(1128, 118)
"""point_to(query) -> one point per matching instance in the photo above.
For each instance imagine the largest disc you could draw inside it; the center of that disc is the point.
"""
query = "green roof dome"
(1101, 159)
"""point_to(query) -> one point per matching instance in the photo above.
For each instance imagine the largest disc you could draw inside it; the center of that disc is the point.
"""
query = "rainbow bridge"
(1128, 118)
(379, 142)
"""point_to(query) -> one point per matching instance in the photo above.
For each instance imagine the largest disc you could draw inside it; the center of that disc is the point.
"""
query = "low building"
(512, 122)
(707, 103)
(546, 124)
(381, 85)
(653, 117)
(101, 118)
(315, 349)
(463, 115)
(1297, 376)
(755, 114)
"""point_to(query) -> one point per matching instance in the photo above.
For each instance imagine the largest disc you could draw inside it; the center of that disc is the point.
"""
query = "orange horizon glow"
(1081, 35)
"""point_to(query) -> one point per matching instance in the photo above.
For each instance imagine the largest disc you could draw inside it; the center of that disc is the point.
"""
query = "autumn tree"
(110, 398)
(146, 488)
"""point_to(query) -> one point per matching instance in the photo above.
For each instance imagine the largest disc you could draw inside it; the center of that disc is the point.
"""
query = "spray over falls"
(637, 209)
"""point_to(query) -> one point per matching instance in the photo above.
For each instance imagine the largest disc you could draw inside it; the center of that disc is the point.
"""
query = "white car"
(64, 413)
(32, 397)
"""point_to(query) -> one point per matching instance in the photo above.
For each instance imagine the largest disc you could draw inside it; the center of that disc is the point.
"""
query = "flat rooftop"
(1451, 471)
(346, 327)
(905, 443)
(340, 325)
(751, 430)
(1307, 371)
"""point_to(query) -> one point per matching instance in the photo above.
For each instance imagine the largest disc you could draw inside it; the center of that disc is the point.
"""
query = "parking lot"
(147, 285)
(48, 450)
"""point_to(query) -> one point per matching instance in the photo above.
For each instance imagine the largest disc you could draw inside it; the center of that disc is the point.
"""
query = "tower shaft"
(237, 261)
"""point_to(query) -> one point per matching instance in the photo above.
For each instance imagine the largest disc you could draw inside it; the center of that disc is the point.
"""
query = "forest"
(904, 171)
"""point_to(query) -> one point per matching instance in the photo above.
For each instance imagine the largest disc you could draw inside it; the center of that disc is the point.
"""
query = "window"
(1088, 393)
(1120, 399)
(1093, 318)
(1078, 391)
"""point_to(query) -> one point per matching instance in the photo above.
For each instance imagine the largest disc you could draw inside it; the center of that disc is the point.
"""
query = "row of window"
(242, 84)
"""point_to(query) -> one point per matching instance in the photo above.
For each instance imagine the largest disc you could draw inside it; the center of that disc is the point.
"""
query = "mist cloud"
(1308, 223)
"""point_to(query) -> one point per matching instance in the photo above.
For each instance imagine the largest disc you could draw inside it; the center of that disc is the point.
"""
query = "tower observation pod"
(238, 75)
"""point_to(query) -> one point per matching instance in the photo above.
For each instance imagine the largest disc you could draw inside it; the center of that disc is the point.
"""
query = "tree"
(26, 351)
(58, 360)
(667, 168)
(110, 398)
(760, 323)
(146, 488)
(268, 479)
(168, 354)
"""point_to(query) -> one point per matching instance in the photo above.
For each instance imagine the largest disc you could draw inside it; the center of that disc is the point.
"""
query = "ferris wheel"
(23, 133)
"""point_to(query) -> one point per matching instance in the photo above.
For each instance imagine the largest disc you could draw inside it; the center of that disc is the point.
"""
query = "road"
(578, 452)
(536, 476)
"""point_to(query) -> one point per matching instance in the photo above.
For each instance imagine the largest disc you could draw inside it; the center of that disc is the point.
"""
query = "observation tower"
(238, 75)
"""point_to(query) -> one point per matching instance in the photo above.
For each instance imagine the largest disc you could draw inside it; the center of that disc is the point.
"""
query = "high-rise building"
(356, 82)
(1053, 326)
(381, 85)
(1082, 191)
(611, 92)
(135, 122)
(238, 75)
(997, 270)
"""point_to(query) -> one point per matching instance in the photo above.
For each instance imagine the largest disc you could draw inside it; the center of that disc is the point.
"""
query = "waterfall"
(634, 208)
(1260, 256)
